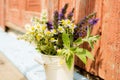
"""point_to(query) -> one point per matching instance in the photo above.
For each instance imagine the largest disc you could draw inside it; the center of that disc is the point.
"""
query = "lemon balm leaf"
(66, 40)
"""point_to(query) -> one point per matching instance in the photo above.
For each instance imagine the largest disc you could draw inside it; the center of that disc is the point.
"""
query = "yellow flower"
(66, 22)
(54, 31)
(38, 26)
(43, 27)
(32, 28)
(52, 40)
(32, 32)
(48, 33)
(61, 29)
(38, 37)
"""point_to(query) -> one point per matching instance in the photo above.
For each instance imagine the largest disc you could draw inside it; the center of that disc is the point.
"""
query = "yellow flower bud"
(52, 40)
(60, 29)
(48, 33)
(38, 37)
(43, 27)
(32, 28)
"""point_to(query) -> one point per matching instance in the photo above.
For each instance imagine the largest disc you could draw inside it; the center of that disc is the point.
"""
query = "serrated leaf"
(83, 53)
(78, 41)
(82, 57)
(94, 38)
(70, 61)
(91, 44)
(88, 54)
(66, 40)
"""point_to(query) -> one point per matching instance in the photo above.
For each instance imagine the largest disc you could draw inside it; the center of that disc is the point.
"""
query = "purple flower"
(62, 10)
(70, 14)
(50, 26)
(61, 16)
(93, 21)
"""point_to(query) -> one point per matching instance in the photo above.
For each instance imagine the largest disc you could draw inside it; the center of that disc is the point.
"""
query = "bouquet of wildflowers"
(62, 37)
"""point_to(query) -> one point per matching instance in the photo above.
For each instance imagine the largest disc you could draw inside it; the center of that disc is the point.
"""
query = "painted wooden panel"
(2, 14)
(13, 11)
(111, 38)
(52, 6)
(33, 5)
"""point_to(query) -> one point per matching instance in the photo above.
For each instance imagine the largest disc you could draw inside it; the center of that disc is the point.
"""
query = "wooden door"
(13, 13)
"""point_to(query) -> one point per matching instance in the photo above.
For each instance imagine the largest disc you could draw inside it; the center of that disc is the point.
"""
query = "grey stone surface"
(22, 54)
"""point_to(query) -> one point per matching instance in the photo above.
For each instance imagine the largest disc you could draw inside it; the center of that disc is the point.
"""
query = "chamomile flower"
(47, 33)
(61, 29)
(29, 29)
(66, 23)
(52, 40)
(53, 31)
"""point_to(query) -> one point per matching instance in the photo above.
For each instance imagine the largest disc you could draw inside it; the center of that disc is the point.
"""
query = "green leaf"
(94, 38)
(88, 54)
(81, 55)
(91, 44)
(70, 61)
(78, 41)
(66, 40)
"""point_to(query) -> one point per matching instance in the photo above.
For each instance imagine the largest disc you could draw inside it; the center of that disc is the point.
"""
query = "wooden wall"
(15, 14)
(2, 14)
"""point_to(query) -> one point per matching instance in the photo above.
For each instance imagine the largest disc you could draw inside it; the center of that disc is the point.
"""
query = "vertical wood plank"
(110, 39)
(80, 7)
(96, 67)
(2, 14)
(52, 6)
(83, 8)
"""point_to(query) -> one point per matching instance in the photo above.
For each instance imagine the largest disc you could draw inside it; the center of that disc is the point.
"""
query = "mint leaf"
(88, 54)
(70, 62)
(78, 41)
(66, 40)
(82, 57)
(83, 53)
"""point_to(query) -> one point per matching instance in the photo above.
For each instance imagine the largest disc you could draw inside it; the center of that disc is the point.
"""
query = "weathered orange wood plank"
(2, 14)
(111, 39)
(52, 6)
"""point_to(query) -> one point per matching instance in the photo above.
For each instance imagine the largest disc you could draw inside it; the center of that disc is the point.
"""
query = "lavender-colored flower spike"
(49, 25)
(64, 8)
(93, 21)
(61, 16)
(62, 13)
(55, 22)
(70, 15)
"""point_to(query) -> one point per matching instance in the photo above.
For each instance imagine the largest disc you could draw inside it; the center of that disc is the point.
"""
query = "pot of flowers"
(59, 40)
